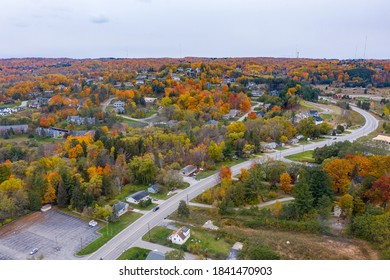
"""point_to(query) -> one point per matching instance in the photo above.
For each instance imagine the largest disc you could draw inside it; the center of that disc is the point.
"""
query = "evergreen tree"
(303, 198)
(62, 195)
(77, 199)
(319, 183)
(183, 210)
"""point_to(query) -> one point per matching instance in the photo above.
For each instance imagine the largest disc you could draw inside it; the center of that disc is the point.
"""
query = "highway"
(125, 239)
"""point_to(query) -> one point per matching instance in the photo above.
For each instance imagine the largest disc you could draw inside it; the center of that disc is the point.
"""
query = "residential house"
(266, 106)
(382, 138)
(212, 122)
(270, 146)
(154, 188)
(120, 110)
(52, 132)
(139, 82)
(180, 236)
(293, 141)
(318, 120)
(121, 208)
(150, 100)
(231, 115)
(260, 114)
(313, 113)
(128, 84)
(274, 93)
(80, 121)
(119, 103)
(257, 93)
(42, 101)
(138, 197)
(188, 170)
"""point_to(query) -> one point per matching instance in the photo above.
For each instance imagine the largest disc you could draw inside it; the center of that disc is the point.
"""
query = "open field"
(302, 157)
(373, 93)
(301, 245)
(57, 236)
(305, 246)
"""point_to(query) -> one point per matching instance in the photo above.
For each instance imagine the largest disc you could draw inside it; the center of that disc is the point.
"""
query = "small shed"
(154, 189)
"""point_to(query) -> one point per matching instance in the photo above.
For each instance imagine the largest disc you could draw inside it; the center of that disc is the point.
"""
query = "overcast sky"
(207, 28)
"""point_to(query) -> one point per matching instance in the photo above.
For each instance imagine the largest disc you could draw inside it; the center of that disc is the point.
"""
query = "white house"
(150, 99)
(138, 197)
(180, 236)
(119, 103)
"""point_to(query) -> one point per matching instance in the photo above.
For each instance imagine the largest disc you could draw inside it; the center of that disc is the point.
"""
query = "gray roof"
(154, 187)
(233, 254)
(120, 205)
(184, 229)
(139, 195)
(155, 255)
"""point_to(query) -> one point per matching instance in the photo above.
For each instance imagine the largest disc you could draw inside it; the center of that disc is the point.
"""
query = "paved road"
(135, 231)
(106, 103)
(251, 110)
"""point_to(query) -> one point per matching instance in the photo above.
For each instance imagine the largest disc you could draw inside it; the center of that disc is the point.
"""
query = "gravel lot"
(56, 235)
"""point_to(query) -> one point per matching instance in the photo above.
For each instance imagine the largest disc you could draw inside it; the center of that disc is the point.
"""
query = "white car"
(33, 251)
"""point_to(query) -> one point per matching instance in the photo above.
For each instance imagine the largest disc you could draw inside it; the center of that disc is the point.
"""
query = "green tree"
(324, 206)
(346, 204)
(216, 151)
(174, 255)
(183, 210)
(319, 183)
(62, 195)
(261, 252)
(303, 202)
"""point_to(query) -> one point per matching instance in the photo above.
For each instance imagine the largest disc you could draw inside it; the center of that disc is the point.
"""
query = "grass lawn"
(158, 235)
(134, 253)
(318, 140)
(326, 116)
(198, 216)
(149, 207)
(10, 105)
(302, 157)
(207, 173)
(200, 241)
(281, 148)
(133, 123)
(109, 232)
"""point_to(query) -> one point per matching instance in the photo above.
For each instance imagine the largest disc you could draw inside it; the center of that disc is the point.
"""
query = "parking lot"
(56, 235)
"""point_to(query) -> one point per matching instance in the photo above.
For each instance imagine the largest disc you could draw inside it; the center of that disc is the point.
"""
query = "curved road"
(125, 239)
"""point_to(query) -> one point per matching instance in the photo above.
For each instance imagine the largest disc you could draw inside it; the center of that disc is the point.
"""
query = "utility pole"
(149, 231)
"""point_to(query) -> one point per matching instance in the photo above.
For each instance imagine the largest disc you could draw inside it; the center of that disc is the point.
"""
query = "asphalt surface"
(129, 236)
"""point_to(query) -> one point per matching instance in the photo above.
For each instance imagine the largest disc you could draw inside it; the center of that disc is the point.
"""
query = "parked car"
(33, 251)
